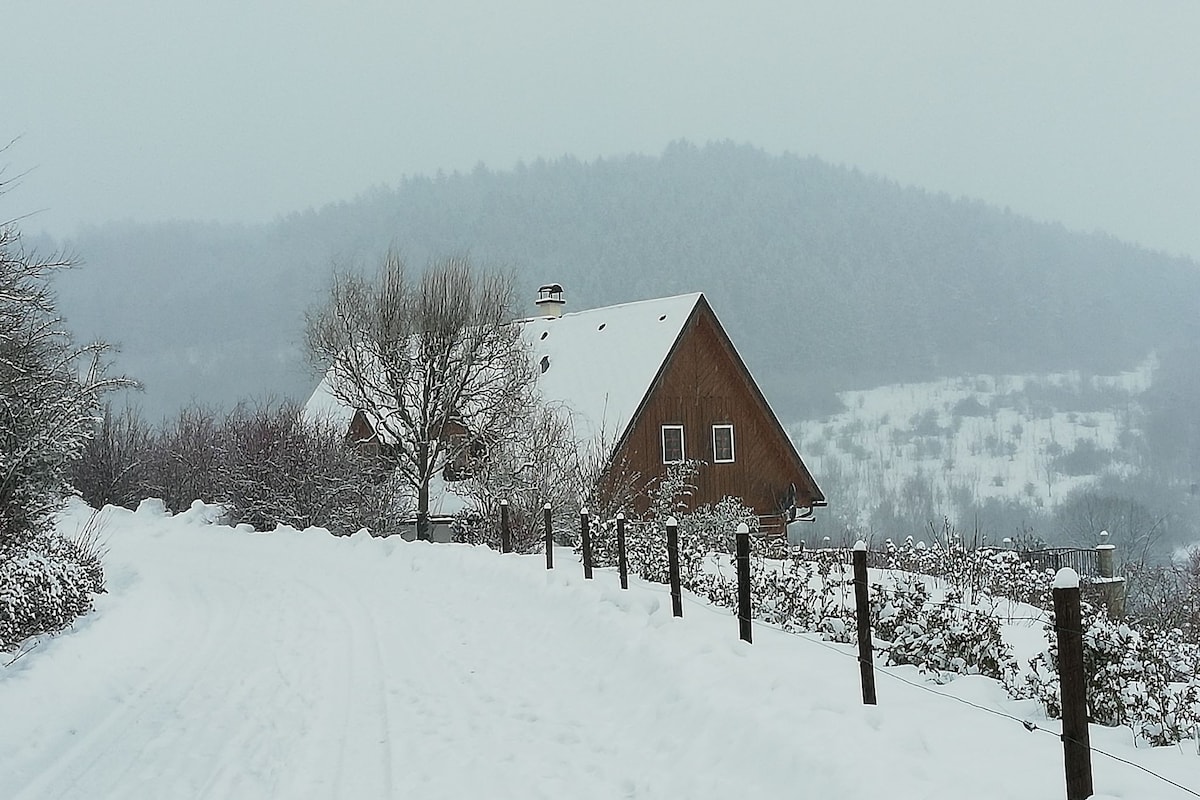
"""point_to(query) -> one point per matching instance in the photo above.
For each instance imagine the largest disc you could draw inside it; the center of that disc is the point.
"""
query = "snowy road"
(226, 664)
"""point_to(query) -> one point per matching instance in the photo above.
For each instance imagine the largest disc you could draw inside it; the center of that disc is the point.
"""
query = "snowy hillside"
(1032, 438)
(224, 663)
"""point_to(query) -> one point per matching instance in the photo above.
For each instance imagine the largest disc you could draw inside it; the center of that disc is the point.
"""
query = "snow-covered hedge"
(816, 594)
(941, 637)
(44, 585)
(976, 573)
(702, 531)
(1148, 679)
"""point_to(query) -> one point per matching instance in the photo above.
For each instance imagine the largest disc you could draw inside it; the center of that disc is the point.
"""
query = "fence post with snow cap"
(1068, 624)
(673, 566)
(862, 612)
(622, 562)
(549, 526)
(585, 543)
(743, 575)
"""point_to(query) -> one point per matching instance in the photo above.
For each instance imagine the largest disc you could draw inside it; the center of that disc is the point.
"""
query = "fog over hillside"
(827, 279)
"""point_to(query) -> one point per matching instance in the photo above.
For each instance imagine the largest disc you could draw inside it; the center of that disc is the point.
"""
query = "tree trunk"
(423, 532)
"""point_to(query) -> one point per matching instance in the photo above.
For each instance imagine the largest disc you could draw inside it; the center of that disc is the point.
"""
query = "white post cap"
(1066, 578)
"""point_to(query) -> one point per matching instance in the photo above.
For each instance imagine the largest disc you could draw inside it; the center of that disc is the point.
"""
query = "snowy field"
(982, 436)
(227, 664)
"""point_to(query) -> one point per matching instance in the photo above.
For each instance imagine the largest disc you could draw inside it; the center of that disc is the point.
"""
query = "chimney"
(550, 300)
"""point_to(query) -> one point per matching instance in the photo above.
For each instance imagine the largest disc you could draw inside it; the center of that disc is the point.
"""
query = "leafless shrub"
(115, 463)
(263, 461)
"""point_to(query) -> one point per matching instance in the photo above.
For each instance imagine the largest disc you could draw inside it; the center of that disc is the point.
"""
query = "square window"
(722, 444)
(672, 444)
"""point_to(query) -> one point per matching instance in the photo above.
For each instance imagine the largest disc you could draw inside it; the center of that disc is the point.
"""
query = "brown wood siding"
(360, 431)
(703, 384)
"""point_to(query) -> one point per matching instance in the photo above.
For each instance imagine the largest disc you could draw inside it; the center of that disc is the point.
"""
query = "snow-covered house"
(659, 382)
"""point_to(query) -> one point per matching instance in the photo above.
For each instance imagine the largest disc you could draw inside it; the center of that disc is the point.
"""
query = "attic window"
(602, 324)
(545, 334)
(545, 363)
(672, 444)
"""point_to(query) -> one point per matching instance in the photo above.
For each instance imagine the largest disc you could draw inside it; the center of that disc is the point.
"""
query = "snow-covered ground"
(223, 663)
(988, 436)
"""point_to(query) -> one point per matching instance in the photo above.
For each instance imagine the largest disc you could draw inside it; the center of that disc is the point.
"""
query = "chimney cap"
(550, 299)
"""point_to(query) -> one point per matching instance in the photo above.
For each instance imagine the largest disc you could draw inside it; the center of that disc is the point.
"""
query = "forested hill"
(826, 278)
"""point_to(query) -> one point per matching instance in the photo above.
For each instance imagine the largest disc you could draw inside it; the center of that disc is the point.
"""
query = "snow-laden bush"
(816, 594)
(797, 595)
(941, 637)
(45, 584)
(976, 573)
(1148, 679)
(702, 531)
(1166, 596)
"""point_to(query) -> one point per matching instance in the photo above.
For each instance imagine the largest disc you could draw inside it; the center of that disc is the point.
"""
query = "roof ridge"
(614, 306)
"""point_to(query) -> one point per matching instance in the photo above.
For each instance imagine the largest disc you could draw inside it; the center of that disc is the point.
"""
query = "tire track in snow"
(367, 704)
(108, 737)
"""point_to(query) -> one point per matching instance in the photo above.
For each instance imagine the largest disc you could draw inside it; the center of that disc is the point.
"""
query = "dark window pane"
(672, 444)
(722, 443)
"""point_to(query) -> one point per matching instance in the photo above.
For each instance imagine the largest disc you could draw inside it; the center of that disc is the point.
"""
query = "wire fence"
(1083, 561)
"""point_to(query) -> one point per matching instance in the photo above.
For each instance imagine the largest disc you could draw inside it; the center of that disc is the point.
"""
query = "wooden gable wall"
(704, 383)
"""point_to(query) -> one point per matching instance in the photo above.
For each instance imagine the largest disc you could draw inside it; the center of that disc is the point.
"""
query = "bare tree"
(50, 391)
(1132, 526)
(433, 362)
(536, 467)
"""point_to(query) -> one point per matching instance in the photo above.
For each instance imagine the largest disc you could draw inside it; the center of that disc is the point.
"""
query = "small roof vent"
(550, 300)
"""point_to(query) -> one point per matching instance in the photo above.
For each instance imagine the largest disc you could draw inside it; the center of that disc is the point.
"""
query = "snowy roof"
(322, 406)
(599, 364)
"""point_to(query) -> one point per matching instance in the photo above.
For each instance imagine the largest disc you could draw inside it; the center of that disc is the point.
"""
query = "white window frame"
(682, 443)
(732, 443)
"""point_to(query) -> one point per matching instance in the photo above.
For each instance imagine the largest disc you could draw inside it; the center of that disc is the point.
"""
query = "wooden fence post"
(743, 573)
(549, 536)
(866, 659)
(585, 542)
(673, 566)
(622, 564)
(505, 530)
(1068, 623)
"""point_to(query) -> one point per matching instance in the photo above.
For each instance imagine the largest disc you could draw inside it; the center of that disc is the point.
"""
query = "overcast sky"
(1082, 112)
